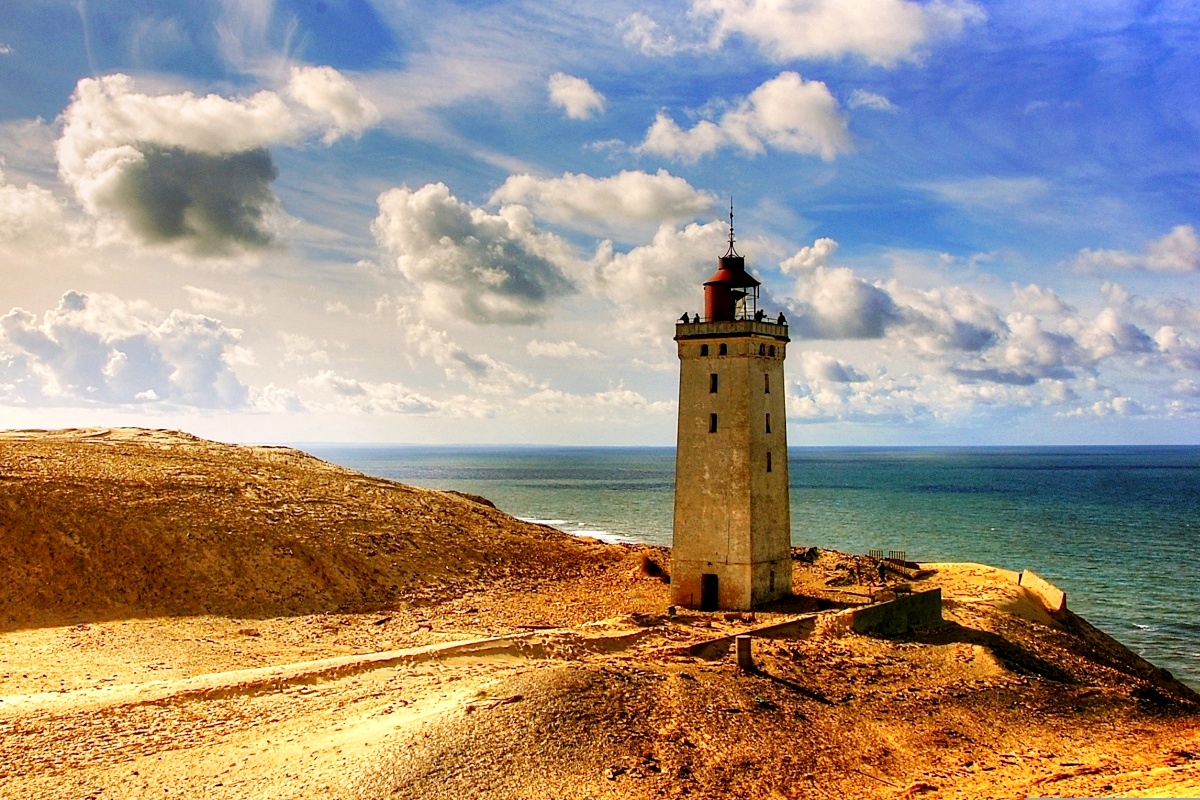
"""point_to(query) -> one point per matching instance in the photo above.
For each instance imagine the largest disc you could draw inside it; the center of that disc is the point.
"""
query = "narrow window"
(703, 349)
(762, 350)
(712, 383)
(771, 350)
(724, 351)
(772, 589)
(712, 423)
(766, 383)
(768, 423)
(768, 461)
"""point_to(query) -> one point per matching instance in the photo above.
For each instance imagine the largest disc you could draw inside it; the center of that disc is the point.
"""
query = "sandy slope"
(403, 655)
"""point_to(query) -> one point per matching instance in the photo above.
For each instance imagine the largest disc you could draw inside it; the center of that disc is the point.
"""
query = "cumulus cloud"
(468, 263)
(665, 274)
(612, 206)
(953, 354)
(98, 349)
(1035, 299)
(786, 113)
(861, 98)
(575, 96)
(1110, 334)
(370, 397)
(882, 32)
(950, 318)
(1178, 251)
(196, 171)
(809, 257)
(30, 217)
(821, 367)
(1119, 406)
(832, 302)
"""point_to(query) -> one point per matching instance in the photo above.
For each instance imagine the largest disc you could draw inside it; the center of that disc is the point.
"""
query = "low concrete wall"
(1050, 596)
(897, 616)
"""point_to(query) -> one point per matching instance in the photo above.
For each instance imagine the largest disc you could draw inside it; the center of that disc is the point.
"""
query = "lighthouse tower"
(732, 537)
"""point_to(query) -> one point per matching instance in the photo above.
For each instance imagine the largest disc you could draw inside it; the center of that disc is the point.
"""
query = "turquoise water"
(1117, 528)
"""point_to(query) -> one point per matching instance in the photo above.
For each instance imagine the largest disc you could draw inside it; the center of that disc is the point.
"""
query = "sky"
(476, 222)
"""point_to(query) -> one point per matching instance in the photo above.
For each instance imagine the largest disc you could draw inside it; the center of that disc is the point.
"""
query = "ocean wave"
(553, 523)
(604, 536)
(580, 530)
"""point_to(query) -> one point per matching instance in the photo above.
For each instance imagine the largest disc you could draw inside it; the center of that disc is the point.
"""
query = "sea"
(1118, 528)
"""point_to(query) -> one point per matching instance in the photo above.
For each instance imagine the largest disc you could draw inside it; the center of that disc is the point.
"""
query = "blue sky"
(350, 220)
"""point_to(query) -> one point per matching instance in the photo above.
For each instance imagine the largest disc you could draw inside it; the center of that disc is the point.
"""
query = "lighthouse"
(731, 544)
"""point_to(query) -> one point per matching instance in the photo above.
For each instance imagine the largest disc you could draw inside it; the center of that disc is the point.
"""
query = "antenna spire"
(731, 251)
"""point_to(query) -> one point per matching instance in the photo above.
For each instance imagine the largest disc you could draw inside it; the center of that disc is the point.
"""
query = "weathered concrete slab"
(1052, 598)
(906, 612)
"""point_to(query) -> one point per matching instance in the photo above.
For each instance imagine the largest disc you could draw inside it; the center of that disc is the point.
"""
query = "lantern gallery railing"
(745, 316)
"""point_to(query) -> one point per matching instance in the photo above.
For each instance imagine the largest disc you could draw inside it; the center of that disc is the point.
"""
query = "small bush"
(653, 569)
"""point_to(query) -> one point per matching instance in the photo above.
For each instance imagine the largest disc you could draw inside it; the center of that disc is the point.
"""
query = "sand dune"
(108, 524)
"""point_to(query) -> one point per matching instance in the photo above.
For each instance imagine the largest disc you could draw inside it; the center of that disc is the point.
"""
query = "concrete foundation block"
(1052, 598)
(901, 615)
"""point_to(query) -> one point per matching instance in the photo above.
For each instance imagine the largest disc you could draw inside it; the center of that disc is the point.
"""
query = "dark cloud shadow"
(214, 204)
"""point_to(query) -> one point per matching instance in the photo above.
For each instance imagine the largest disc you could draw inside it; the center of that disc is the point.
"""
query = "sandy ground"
(561, 677)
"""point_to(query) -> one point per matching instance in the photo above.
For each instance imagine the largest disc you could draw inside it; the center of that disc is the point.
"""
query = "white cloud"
(368, 397)
(809, 257)
(643, 33)
(98, 349)
(1109, 334)
(786, 113)
(1035, 299)
(5, 49)
(301, 349)
(480, 372)
(612, 404)
(821, 367)
(272, 399)
(950, 318)
(990, 193)
(31, 218)
(652, 284)
(1119, 406)
(195, 171)
(883, 32)
(574, 96)
(210, 301)
(467, 263)
(1178, 251)
(612, 206)
(829, 302)
(861, 98)
(560, 350)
